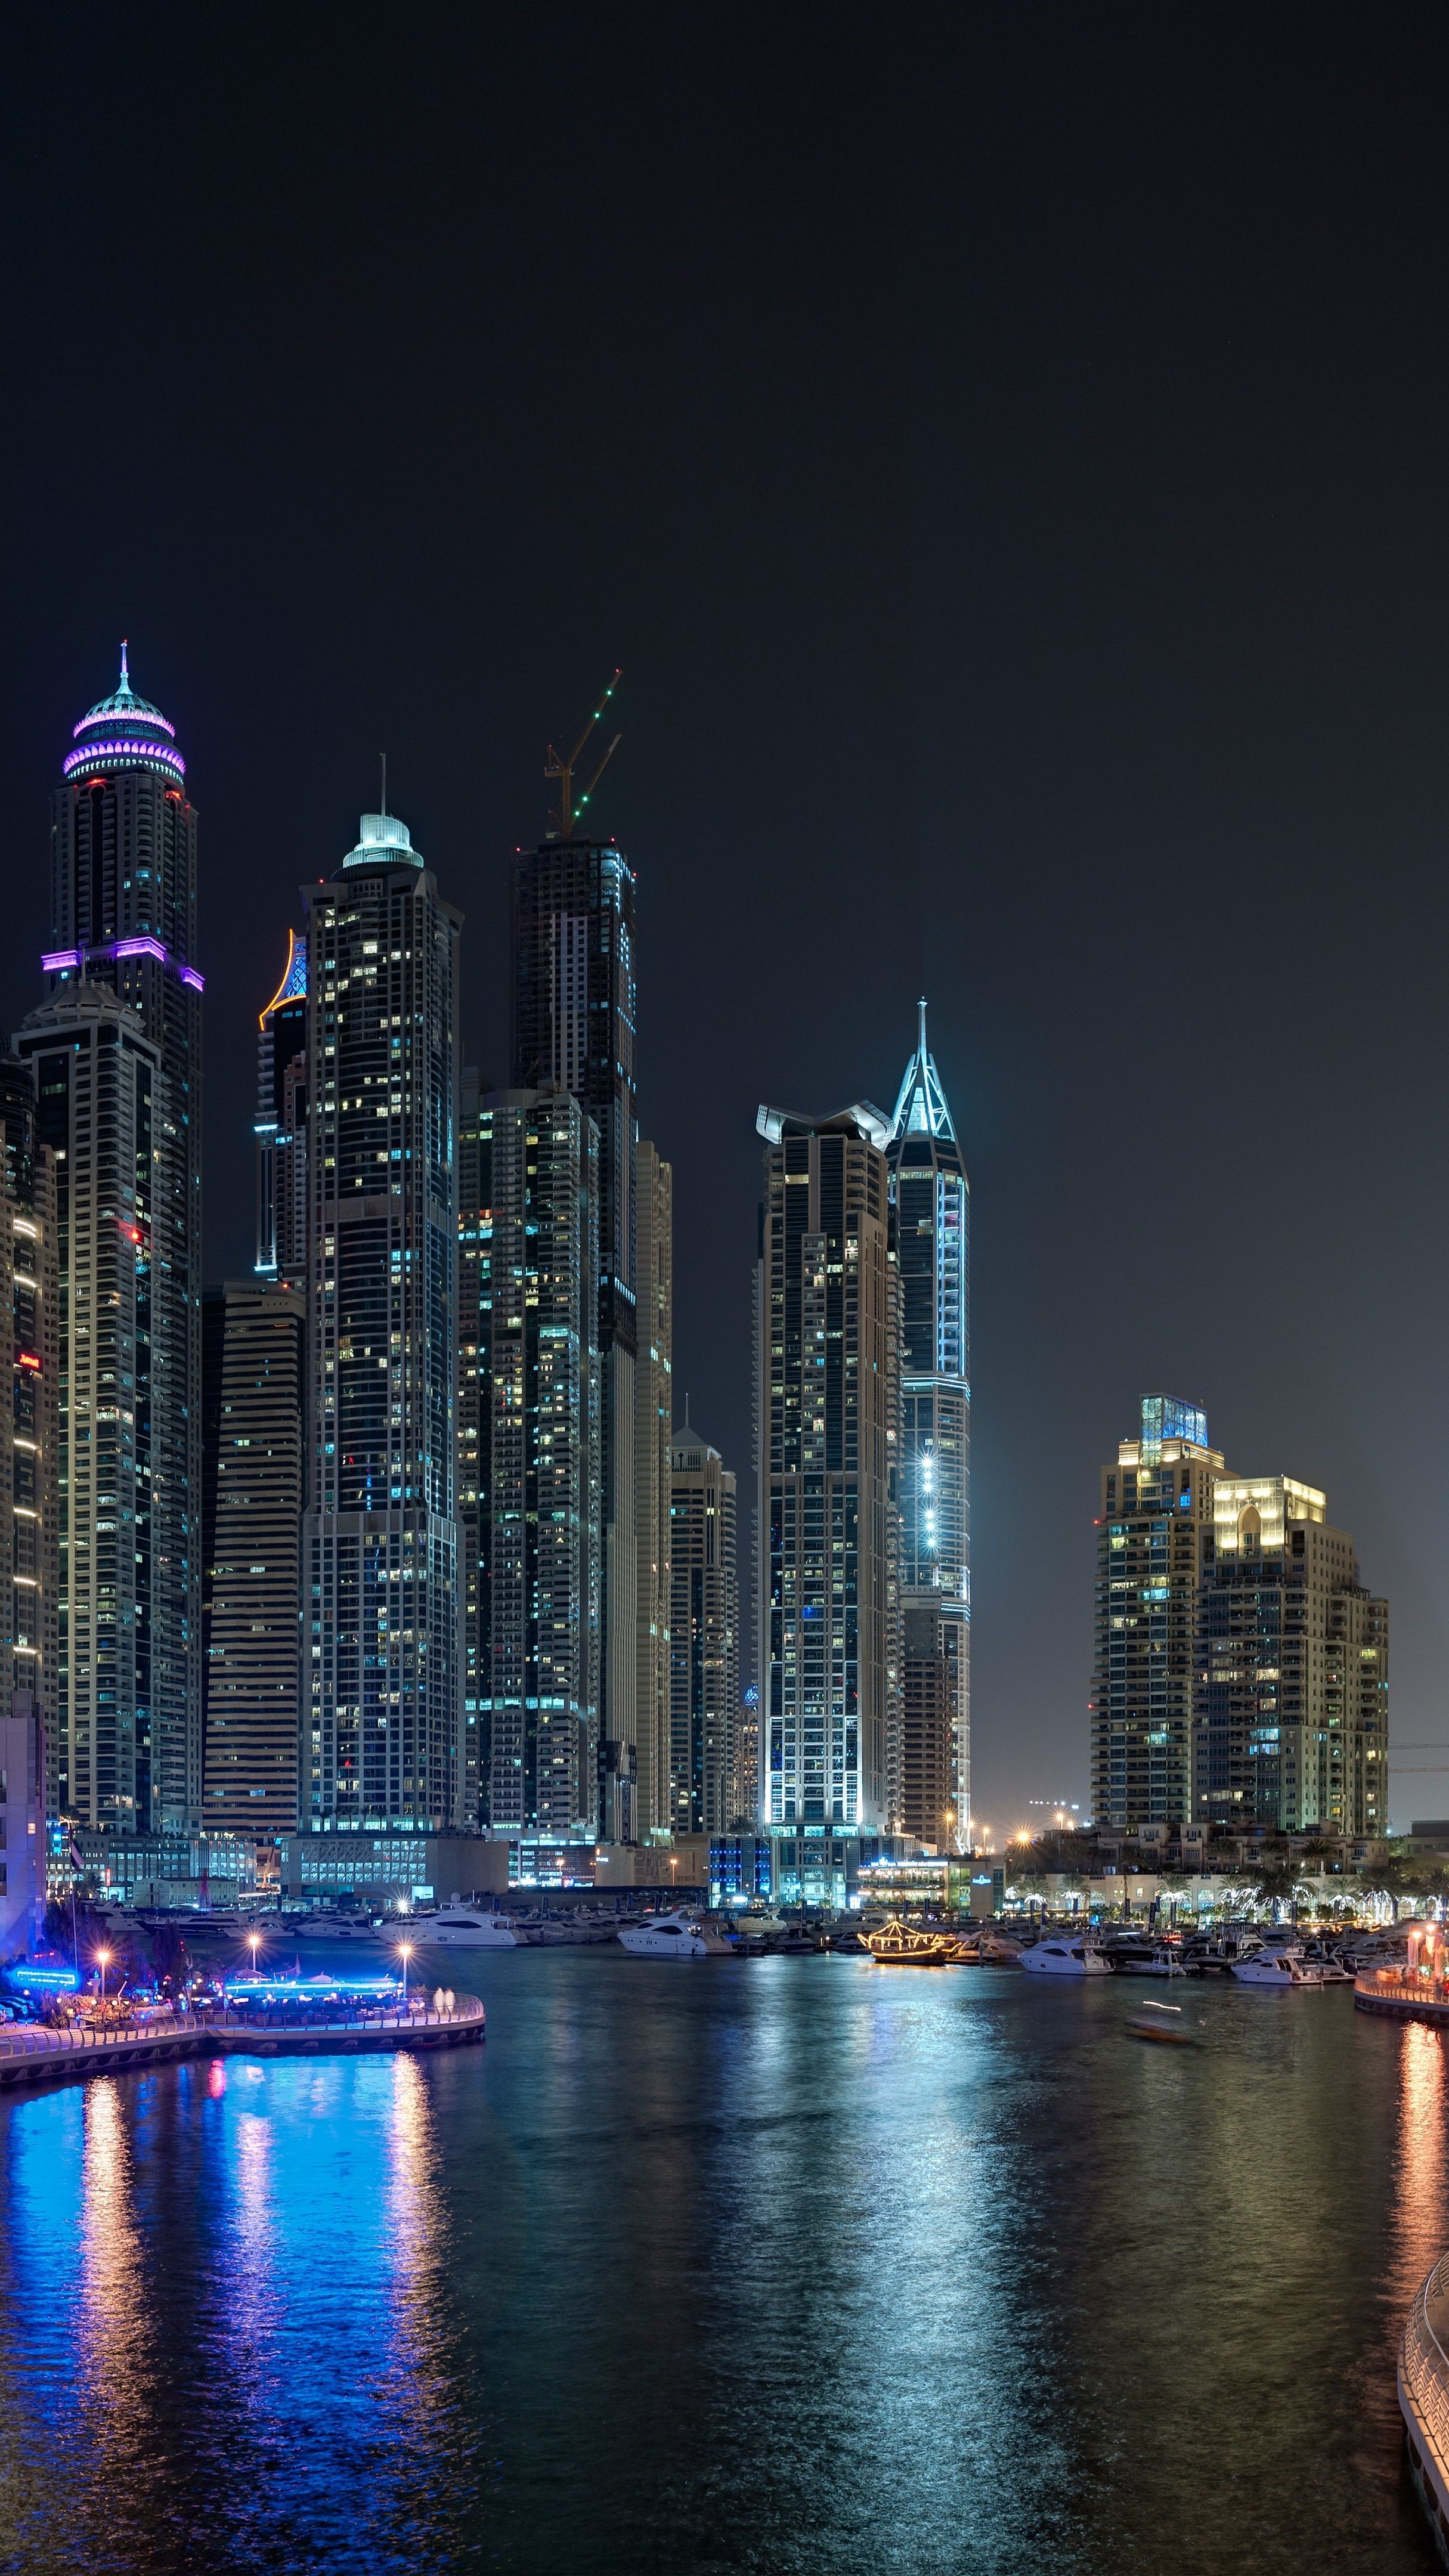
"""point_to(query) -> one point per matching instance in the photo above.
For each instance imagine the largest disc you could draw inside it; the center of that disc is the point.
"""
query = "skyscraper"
(281, 1124)
(573, 1028)
(933, 1242)
(931, 1682)
(29, 1432)
(827, 1434)
(253, 1335)
(1292, 1667)
(99, 1106)
(383, 1698)
(529, 1462)
(1156, 1515)
(123, 914)
(654, 1413)
(704, 1622)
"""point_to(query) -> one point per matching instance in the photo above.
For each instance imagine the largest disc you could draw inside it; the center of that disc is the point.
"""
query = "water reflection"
(115, 2324)
(790, 2270)
(1421, 2214)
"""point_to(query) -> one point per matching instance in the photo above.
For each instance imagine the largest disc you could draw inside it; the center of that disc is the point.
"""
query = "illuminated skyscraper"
(654, 1413)
(933, 1244)
(253, 1336)
(382, 1694)
(827, 1430)
(528, 1422)
(29, 1435)
(123, 916)
(99, 1103)
(1156, 1517)
(573, 1028)
(704, 1625)
(281, 1124)
(1292, 1668)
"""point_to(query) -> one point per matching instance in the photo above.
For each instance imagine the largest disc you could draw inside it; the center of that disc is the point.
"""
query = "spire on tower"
(125, 681)
(921, 1105)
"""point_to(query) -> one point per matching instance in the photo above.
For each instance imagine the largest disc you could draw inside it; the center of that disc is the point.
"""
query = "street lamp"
(103, 1961)
(254, 1943)
(405, 1952)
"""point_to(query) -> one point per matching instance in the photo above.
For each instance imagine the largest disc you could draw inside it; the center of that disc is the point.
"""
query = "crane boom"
(563, 765)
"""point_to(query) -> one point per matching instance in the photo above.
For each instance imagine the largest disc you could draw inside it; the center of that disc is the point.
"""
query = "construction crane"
(563, 766)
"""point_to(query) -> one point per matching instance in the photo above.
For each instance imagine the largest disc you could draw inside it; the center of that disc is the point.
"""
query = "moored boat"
(894, 1947)
(662, 1936)
(1063, 1955)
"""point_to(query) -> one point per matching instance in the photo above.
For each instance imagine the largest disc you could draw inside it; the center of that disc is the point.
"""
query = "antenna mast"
(562, 766)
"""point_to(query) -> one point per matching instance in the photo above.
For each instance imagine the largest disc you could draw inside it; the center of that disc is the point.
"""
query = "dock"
(30, 2054)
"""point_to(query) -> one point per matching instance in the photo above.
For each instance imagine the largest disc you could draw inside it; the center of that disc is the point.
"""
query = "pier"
(30, 2054)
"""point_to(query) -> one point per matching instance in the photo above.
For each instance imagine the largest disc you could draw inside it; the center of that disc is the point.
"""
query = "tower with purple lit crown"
(123, 918)
(933, 1246)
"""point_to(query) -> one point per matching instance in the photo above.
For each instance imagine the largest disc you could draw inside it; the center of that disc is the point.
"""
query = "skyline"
(1099, 679)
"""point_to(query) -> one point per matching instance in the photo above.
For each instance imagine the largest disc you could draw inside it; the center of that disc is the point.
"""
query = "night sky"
(1006, 453)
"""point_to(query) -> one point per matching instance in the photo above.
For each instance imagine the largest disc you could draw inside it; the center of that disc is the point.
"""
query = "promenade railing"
(1424, 2362)
(1403, 1985)
(31, 2039)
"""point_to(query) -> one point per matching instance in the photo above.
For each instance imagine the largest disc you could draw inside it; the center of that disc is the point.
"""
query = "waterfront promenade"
(30, 2054)
(1424, 2398)
(1403, 1994)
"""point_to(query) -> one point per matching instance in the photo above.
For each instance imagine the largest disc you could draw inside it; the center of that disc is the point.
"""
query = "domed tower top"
(124, 732)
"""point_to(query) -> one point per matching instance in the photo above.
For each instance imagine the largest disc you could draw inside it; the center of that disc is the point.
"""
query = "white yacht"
(467, 1927)
(1065, 1956)
(1277, 1970)
(662, 1936)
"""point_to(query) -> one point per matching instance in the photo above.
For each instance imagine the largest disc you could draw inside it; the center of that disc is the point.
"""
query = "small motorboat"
(894, 1947)
(662, 1936)
(1066, 1957)
(1161, 2022)
(469, 1927)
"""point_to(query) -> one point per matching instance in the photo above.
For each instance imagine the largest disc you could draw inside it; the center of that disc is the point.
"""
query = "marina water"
(800, 2265)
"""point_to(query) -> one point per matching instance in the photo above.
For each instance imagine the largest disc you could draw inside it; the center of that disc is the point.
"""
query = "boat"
(1065, 1957)
(662, 1936)
(1148, 1959)
(894, 1947)
(336, 1927)
(1272, 1971)
(468, 1927)
(1150, 2021)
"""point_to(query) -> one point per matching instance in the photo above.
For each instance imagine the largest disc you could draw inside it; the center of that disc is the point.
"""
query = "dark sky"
(1006, 451)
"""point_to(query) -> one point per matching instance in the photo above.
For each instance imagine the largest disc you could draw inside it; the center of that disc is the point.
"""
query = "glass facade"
(382, 1714)
(932, 1199)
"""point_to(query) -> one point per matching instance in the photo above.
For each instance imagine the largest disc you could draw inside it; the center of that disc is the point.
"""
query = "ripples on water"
(794, 2268)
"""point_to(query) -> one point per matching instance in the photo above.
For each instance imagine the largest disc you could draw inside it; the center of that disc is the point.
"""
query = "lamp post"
(405, 1952)
(103, 1961)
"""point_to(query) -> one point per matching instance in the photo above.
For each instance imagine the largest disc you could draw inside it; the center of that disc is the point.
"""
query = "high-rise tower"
(827, 1434)
(29, 1430)
(98, 1106)
(382, 1698)
(573, 1028)
(529, 1463)
(654, 1414)
(704, 1639)
(933, 1243)
(281, 1124)
(123, 915)
(1155, 1521)
(253, 1333)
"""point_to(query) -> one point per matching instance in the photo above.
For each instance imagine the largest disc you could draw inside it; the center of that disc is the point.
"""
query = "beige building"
(1155, 1517)
(653, 1415)
(1291, 1719)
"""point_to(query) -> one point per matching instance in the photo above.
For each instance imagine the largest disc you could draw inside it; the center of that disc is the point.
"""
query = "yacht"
(336, 1927)
(467, 1927)
(662, 1936)
(1065, 1956)
(1274, 1970)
